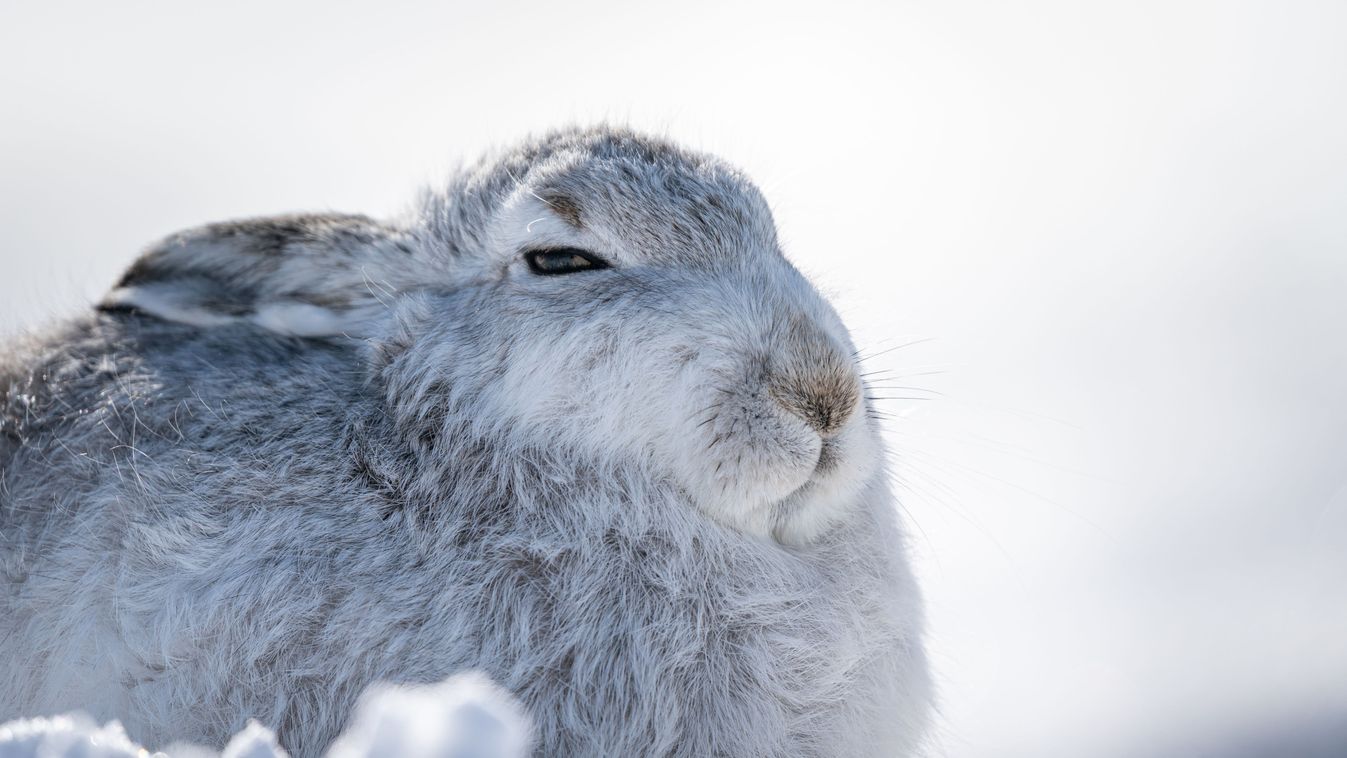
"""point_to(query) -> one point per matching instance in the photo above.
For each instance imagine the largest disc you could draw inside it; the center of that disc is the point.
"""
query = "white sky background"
(1122, 227)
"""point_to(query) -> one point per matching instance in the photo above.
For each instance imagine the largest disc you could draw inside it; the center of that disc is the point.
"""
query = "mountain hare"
(574, 422)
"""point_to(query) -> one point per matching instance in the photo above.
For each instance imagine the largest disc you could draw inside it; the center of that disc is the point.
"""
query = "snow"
(466, 716)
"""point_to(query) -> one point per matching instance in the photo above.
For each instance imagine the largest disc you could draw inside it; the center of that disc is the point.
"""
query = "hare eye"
(562, 260)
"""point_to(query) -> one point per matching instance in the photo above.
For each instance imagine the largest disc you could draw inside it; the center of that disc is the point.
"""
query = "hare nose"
(824, 398)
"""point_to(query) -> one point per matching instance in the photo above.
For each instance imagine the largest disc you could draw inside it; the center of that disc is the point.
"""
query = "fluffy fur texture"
(291, 457)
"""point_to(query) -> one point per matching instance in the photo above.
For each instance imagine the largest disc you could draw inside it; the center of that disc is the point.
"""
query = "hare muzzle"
(823, 397)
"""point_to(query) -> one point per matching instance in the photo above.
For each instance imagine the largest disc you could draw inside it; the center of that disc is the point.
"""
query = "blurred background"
(1105, 242)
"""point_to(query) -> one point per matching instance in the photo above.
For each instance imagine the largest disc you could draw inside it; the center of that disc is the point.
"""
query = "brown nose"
(824, 396)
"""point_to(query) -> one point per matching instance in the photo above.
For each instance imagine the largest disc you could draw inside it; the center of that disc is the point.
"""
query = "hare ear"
(302, 275)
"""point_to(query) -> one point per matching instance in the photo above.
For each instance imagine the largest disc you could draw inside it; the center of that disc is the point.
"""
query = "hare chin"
(845, 469)
(808, 511)
(803, 515)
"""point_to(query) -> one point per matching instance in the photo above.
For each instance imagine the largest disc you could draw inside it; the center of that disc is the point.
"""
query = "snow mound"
(466, 716)
(70, 736)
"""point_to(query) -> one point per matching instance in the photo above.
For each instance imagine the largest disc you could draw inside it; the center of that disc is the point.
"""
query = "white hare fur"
(292, 457)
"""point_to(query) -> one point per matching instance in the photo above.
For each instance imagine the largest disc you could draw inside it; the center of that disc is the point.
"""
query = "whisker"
(885, 351)
(903, 387)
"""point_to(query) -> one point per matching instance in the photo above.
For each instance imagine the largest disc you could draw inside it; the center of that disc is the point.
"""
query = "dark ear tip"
(142, 269)
(117, 308)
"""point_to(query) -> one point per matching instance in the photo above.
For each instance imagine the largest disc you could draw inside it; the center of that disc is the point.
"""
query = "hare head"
(594, 297)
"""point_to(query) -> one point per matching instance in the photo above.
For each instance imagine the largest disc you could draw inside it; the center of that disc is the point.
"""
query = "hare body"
(295, 457)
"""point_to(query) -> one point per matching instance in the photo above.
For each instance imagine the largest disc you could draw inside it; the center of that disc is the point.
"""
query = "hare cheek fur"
(733, 377)
(655, 387)
(324, 451)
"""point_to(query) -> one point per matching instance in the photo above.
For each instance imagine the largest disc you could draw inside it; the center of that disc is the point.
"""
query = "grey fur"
(648, 501)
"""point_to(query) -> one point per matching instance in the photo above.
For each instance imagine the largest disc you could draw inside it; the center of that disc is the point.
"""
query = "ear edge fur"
(302, 275)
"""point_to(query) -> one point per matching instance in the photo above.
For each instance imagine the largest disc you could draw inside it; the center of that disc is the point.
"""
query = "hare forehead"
(652, 193)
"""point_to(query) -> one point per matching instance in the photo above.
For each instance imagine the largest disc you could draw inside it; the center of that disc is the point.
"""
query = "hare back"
(207, 526)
